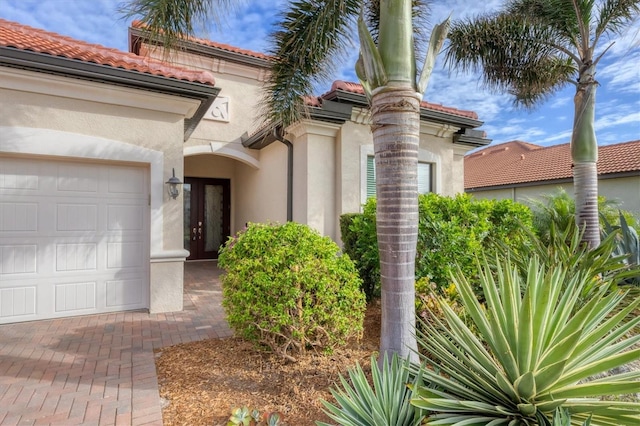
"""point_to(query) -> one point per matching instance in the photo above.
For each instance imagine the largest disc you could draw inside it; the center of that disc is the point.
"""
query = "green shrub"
(360, 242)
(287, 287)
(451, 230)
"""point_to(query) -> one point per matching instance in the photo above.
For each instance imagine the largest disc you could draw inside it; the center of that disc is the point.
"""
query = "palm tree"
(534, 48)
(306, 42)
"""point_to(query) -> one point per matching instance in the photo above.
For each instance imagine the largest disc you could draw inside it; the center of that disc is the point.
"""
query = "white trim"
(47, 84)
(34, 141)
(179, 255)
(222, 149)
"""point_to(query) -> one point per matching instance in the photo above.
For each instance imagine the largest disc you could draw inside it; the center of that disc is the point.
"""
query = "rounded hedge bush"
(288, 288)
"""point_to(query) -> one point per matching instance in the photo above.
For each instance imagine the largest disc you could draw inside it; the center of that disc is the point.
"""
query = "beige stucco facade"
(65, 114)
(329, 157)
(63, 119)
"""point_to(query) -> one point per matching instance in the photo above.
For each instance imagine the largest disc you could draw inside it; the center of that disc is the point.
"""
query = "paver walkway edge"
(100, 369)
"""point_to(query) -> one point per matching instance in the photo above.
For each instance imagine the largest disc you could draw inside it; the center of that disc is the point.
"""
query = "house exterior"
(89, 136)
(521, 171)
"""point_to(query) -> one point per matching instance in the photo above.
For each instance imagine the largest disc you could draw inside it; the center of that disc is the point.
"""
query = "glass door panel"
(206, 215)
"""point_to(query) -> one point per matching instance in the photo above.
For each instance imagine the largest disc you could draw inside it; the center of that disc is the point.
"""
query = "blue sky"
(618, 97)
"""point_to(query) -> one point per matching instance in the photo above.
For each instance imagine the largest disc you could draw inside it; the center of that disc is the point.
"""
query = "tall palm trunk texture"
(395, 125)
(584, 152)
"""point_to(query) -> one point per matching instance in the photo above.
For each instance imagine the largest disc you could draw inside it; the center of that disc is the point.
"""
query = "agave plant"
(536, 349)
(386, 403)
(627, 246)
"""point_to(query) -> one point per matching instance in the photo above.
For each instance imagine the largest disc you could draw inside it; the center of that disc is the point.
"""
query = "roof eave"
(328, 111)
(57, 65)
(470, 137)
(360, 100)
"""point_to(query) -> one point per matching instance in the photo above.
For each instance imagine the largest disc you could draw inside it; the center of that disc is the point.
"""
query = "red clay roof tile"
(520, 162)
(23, 37)
(204, 42)
(357, 88)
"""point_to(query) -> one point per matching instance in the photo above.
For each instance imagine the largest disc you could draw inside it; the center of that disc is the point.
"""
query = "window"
(424, 177)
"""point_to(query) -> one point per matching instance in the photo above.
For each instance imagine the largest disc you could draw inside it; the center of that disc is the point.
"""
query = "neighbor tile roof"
(204, 42)
(520, 162)
(357, 88)
(23, 37)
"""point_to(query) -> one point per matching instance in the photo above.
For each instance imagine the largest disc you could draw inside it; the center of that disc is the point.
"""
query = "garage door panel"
(18, 175)
(18, 217)
(124, 292)
(122, 217)
(17, 259)
(74, 239)
(76, 257)
(76, 217)
(16, 302)
(75, 296)
(126, 181)
(77, 178)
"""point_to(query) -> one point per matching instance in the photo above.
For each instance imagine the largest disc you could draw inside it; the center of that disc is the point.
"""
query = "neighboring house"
(521, 171)
(89, 136)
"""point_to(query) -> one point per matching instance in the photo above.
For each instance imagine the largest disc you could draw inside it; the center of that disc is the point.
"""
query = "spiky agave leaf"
(384, 402)
(540, 347)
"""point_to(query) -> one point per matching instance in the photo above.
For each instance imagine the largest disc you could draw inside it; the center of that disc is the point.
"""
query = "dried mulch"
(201, 382)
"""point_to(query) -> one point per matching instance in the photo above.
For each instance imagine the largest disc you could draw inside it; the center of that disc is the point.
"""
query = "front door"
(206, 216)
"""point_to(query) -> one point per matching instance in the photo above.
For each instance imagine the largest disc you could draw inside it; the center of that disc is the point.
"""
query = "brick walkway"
(99, 369)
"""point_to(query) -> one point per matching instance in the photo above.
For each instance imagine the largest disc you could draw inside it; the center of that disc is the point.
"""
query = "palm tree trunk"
(396, 137)
(584, 153)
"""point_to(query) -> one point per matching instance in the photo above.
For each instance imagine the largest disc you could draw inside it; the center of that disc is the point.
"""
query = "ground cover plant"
(288, 289)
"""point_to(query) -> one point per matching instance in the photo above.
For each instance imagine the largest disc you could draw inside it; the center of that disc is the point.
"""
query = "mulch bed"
(201, 382)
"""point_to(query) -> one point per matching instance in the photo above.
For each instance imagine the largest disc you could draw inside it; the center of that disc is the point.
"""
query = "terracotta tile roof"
(23, 37)
(357, 88)
(222, 46)
(520, 162)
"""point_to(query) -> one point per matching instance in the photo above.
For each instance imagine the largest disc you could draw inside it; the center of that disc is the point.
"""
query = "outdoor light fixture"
(173, 185)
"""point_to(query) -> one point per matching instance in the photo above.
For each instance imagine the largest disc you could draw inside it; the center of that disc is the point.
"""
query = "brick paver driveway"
(99, 369)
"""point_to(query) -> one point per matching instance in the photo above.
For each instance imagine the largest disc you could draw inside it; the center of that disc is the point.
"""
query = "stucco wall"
(111, 123)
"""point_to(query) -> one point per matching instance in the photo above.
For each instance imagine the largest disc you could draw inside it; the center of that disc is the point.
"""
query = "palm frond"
(615, 15)
(166, 22)
(514, 55)
(308, 39)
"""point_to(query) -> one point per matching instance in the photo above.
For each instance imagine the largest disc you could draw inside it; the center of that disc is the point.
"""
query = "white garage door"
(73, 238)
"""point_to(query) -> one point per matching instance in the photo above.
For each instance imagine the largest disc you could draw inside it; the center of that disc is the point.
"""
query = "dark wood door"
(206, 216)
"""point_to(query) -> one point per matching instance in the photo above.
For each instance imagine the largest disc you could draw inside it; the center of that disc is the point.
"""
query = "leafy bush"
(451, 230)
(360, 242)
(288, 288)
(386, 403)
(539, 345)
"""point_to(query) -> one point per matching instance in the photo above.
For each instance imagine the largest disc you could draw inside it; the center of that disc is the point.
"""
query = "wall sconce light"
(173, 185)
